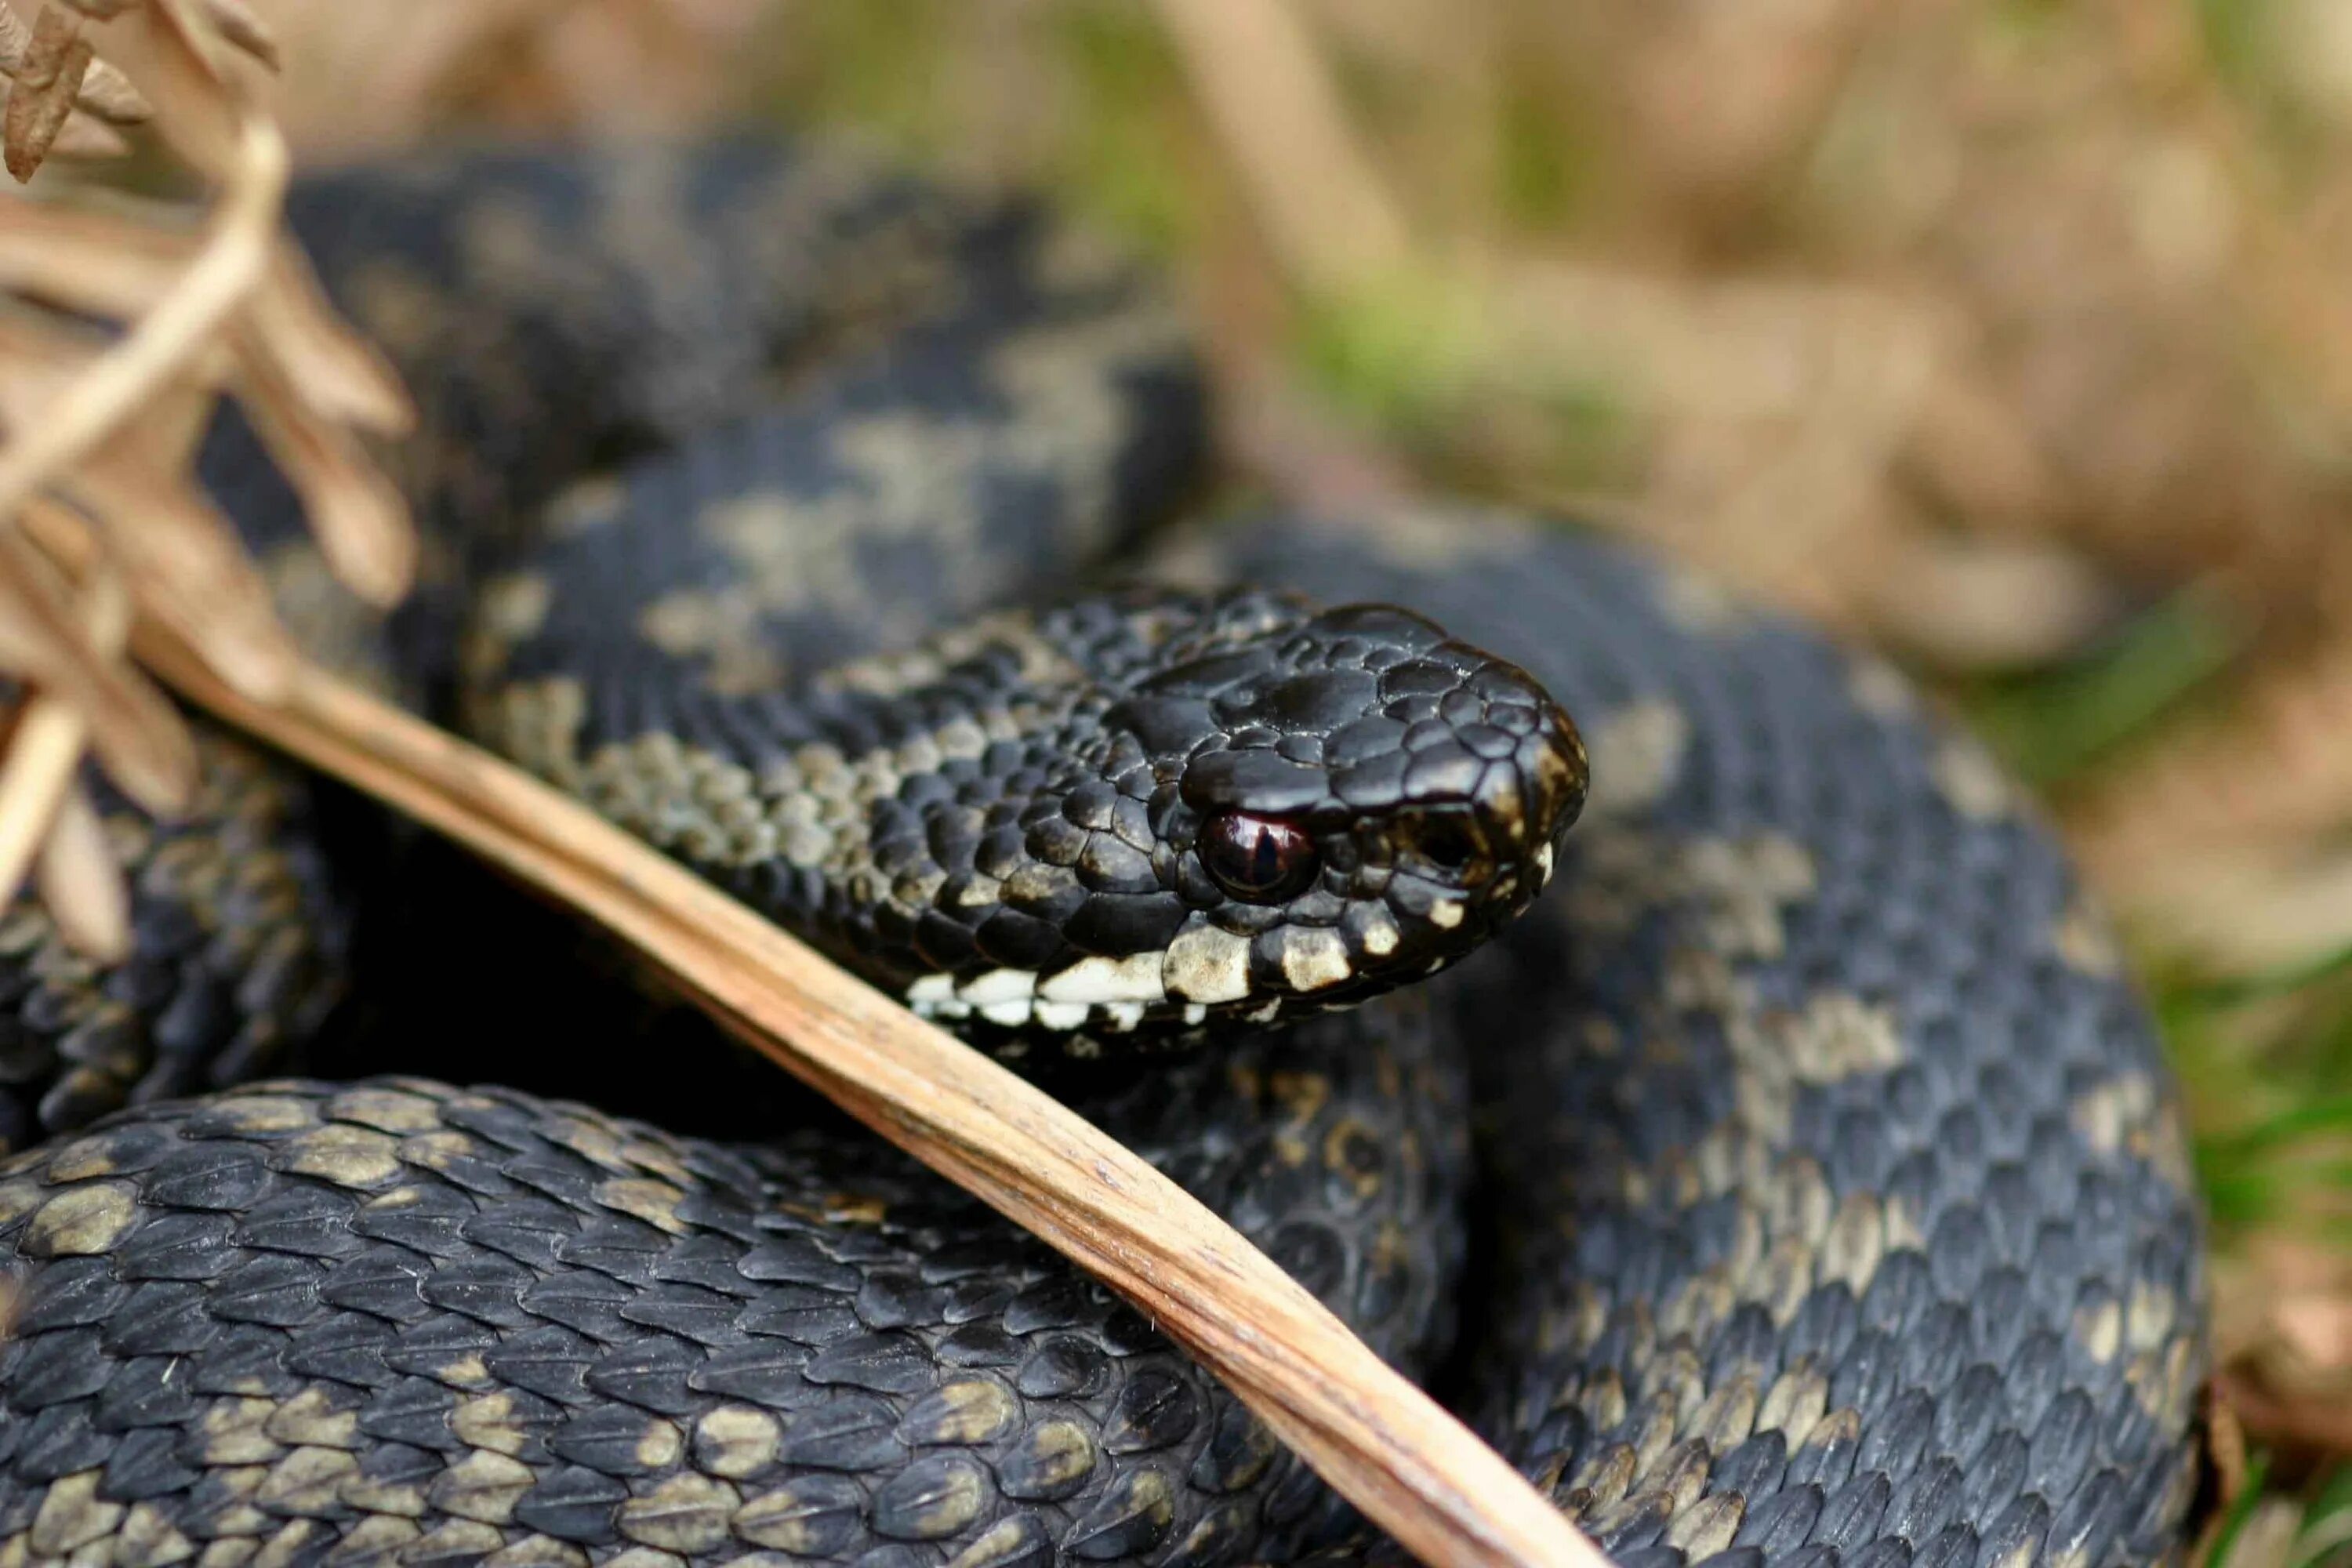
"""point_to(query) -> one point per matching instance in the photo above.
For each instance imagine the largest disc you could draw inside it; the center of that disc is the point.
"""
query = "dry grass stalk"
(1411, 1467)
(1277, 115)
(99, 429)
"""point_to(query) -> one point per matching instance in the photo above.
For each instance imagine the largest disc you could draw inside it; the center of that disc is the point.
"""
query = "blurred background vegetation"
(2012, 336)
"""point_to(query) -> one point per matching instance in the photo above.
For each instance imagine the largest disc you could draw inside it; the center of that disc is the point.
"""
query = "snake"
(1728, 1099)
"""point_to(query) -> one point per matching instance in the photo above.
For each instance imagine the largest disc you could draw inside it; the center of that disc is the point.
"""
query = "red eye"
(1256, 859)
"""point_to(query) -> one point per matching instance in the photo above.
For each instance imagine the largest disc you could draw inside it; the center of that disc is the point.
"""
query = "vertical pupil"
(1265, 856)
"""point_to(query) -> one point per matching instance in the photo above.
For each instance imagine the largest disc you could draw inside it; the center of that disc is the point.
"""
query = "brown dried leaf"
(337, 373)
(45, 747)
(36, 781)
(241, 27)
(81, 884)
(142, 741)
(357, 512)
(180, 556)
(47, 81)
(106, 93)
(95, 262)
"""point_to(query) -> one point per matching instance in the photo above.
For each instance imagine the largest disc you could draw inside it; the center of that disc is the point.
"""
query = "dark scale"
(1827, 1207)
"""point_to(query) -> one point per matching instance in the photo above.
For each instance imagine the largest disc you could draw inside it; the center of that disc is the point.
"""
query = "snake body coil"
(1827, 1205)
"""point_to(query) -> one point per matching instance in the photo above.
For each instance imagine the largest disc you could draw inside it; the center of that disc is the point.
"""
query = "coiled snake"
(1826, 1205)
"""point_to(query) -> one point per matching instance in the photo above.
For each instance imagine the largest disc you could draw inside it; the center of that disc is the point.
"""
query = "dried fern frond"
(101, 424)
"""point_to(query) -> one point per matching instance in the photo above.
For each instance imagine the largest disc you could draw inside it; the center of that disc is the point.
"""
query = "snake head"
(1274, 811)
(1363, 801)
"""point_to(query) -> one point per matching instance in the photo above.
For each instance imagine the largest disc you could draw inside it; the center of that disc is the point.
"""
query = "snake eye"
(1256, 859)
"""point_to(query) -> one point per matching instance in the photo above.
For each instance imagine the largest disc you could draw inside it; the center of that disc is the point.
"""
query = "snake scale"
(1794, 1183)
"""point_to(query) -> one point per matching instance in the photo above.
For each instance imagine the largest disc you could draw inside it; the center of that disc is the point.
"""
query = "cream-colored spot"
(655, 1202)
(661, 1443)
(2105, 1114)
(685, 1514)
(999, 986)
(310, 1419)
(1314, 958)
(967, 1411)
(345, 1155)
(150, 1540)
(1839, 1036)
(2099, 1328)
(539, 1551)
(1206, 964)
(2086, 942)
(1445, 913)
(483, 1486)
(1011, 1014)
(81, 1221)
(2019, 1556)
(957, 1494)
(735, 1441)
(2152, 1315)
(1099, 981)
(1379, 935)
(1707, 1526)
(1009, 1542)
(514, 607)
(371, 1496)
(237, 1433)
(537, 723)
(82, 1159)
(489, 1421)
(284, 1548)
(801, 1517)
(262, 1113)
(1056, 1454)
(934, 996)
(20, 1197)
(72, 1515)
(1853, 1245)
(1794, 1404)
(1060, 1015)
(306, 1481)
(597, 1142)
(1637, 757)
(464, 1372)
(454, 1542)
(1696, 603)
(1880, 690)
(721, 628)
(386, 1111)
(1733, 890)
(1970, 781)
